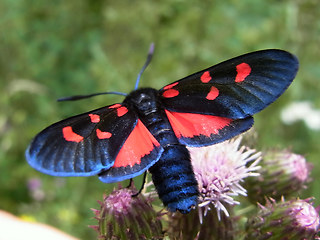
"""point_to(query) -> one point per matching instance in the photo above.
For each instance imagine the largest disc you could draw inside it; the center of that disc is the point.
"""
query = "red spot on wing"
(213, 94)
(121, 110)
(170, 85)
(205, 77)
(115, 105)
(94, 118)
(71, 136)
(191, 124)
(243, 71)
(139, 143)
(170, 93)
(103, 135)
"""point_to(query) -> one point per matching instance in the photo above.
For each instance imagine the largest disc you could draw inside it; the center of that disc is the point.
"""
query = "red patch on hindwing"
(71, 136)
(170, 93)
(94, 118)
(243, 71)
(191, 124)
(205, 77)
(139, 143)
(103, 135)
(121, 110)
(213, 94)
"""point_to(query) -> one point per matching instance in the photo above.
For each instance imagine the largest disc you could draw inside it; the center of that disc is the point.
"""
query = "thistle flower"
(294, 220)
(123, 216)
(220, 169)
(282, 173)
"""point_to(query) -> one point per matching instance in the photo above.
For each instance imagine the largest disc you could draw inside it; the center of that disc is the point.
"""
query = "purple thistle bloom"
(297, 166)
(35, 189)
(34, 184)
(220, 169)
(306, 216)
(119, 202)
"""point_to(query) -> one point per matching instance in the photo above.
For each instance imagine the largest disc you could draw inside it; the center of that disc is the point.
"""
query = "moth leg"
(142, 185)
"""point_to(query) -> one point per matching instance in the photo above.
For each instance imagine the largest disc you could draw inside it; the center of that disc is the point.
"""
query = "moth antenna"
(79, 97)
(148, 60)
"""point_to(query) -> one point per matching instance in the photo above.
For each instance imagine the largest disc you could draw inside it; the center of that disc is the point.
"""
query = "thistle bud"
(294, 220)
(123, 216)
(282, 173)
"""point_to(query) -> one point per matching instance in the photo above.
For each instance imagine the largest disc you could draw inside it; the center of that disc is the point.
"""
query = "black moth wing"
(236, 88)
(83, 145)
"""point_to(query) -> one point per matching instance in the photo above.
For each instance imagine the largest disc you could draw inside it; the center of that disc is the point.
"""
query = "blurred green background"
(51, 49)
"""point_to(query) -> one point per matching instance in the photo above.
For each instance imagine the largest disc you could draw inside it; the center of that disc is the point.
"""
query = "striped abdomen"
(174, 179)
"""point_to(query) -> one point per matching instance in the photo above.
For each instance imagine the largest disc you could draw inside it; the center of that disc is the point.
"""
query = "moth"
(151, 128)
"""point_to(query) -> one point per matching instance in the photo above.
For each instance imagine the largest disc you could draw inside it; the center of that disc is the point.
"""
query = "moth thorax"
(144, 100)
